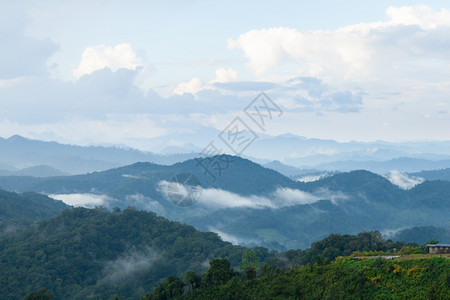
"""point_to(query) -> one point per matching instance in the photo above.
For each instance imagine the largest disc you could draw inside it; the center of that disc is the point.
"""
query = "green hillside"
(345, 203)
(239, 175)
(91, 253)
(28, 206)
(86, 253)
(345, 278)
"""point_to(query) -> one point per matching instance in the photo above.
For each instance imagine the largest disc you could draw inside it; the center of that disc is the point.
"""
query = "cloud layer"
(402, 180)
(214, 199)
(129, 265)
(388, 77)
(83, 200)
(354, 51)
(94, 58)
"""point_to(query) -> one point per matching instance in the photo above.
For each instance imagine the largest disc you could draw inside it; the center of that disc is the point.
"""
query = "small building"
(438, 248)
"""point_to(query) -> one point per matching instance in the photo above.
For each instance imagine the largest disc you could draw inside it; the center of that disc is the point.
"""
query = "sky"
(125, 72)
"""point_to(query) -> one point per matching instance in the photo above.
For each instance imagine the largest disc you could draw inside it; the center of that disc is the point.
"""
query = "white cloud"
(145, 202)
(402, 180)
(94, 58)
(129, 265)
(390, 233)
(228, 237)
(265, 48)
(421, 15)
(192, 86)
(290, 197)
(334, 196)
(224, 75)
(106, 106)
(196, 85)
(214, 199)
(356, 51)
(312, 178)
(83, 200)
(217, 198)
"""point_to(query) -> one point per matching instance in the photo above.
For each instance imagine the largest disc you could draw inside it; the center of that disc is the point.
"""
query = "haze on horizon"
(96, 72)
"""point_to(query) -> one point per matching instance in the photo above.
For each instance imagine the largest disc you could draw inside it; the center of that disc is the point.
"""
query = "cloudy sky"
(123, 72)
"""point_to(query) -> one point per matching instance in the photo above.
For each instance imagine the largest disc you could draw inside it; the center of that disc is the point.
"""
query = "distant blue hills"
(18, 154)
(250, 204)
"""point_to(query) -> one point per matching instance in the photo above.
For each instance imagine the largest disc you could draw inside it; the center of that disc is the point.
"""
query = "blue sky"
(118, 72)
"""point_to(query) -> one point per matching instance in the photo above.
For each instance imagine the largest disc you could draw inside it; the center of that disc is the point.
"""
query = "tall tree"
(219, 272)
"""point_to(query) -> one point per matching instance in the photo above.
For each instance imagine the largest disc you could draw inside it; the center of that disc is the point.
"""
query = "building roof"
(438, 245)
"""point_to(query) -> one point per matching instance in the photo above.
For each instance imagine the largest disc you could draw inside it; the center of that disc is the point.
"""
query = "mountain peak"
(291, 135)
(16, 137)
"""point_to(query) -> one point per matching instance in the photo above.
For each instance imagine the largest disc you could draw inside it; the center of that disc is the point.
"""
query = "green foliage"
(432, 241)
(344, 278)
(335, 245)
(170, 288)
(90, 253)
(249, 263)
(28, 206)
(41, 294)
(219, 272)
(192, 280)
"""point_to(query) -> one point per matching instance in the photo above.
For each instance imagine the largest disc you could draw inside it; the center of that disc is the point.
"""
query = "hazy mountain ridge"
(403, 164)
(18, 152)
(439, 174)
(35, 171)
(422, 234)
(254, 205)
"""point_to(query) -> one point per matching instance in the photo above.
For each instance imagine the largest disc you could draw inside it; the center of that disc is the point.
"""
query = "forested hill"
(28, 206)
(339, 267)
(253, 205)
(86, 253)
(345, 278)
(90, 253)
(239, 176)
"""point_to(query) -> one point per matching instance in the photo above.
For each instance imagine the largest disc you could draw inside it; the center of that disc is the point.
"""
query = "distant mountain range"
(421, 235)
(248, 204)
(35, 171)
(440, 174)
(305, 152)
(18, 154)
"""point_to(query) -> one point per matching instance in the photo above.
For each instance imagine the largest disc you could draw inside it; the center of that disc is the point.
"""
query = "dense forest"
(321, 272)
(344, 278)
(28, 206)
(92, 253)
